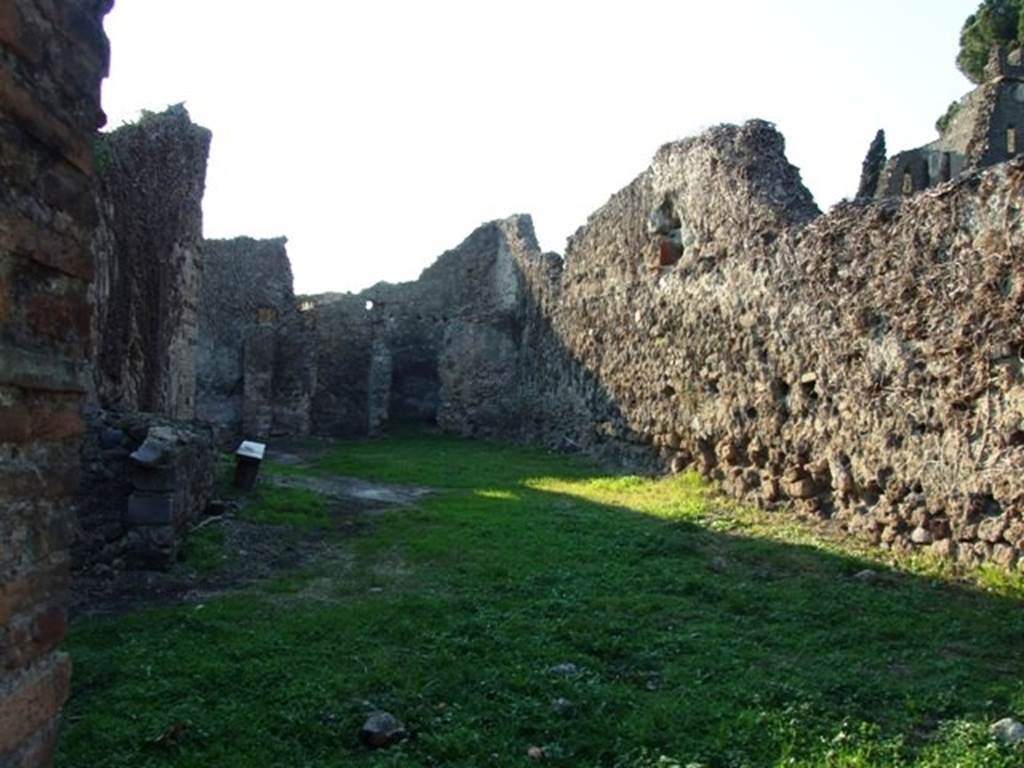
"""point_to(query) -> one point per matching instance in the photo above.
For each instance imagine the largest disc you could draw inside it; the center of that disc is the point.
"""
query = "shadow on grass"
(528, 606)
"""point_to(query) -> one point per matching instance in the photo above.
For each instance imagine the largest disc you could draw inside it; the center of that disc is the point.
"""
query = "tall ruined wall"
(52, 59)
(865, 365)
(386, 354)
(480, 351)
(257, 363)
(148, 253)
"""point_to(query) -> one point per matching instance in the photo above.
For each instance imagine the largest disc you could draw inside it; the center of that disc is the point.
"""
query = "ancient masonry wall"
(865, 365)
(398, 353)
(257, 360)
(148, 253)
(144, 323)
(135, 514)
(52, 59)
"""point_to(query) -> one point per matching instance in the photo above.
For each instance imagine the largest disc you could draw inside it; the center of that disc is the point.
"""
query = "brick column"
(53, 56)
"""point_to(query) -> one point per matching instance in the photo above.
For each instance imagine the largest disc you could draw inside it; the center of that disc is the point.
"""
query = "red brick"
(58, 318)
(75, 147)
(33, 636)
(39, 750)
(12, 33)
(26, 590)
(40, 419)
(44, 483)
(31, 700)
(22, 236)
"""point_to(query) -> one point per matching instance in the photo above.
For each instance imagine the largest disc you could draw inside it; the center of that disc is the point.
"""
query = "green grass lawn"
(698, 634)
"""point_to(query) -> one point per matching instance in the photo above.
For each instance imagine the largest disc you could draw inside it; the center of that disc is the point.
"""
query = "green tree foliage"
(943, 122)
(996, 22)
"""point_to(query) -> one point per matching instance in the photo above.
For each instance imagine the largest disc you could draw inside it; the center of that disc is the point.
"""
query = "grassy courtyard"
(536, 601)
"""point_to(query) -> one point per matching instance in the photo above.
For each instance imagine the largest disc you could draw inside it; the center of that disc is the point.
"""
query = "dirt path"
(252, 551)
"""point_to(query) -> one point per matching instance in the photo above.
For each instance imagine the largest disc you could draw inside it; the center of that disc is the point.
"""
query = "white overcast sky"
(375, 135)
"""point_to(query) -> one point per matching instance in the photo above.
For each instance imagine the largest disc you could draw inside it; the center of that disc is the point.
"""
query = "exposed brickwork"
(52, 59)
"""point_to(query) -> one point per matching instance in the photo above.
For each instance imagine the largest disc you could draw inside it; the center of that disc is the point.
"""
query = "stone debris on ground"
(382, 730)
(565, 669)
(1008, 731)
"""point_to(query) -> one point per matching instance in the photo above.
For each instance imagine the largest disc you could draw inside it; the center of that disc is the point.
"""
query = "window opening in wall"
(1011, 141)
(266, 315)
(908, 182)
(369, 305)
(669, 252)
(306, 306)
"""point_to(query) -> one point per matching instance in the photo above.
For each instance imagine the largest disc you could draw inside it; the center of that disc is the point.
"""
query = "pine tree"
(871, 170)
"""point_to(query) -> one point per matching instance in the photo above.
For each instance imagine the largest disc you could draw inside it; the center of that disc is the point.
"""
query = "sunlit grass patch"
(679, 497)
(496, 494)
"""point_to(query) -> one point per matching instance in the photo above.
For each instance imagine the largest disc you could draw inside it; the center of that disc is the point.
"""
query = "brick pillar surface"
(53, 56)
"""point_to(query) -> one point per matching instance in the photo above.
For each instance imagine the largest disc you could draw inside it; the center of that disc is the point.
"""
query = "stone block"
(28, 701)
(25, 590)
(34, 418)
(150, 509)
(155, 479)
(31, 636)
(991, 529)
(60, 252)
(50, 129)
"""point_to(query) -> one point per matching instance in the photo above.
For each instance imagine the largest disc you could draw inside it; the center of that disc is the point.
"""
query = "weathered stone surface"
(863, 363)
(52, 59)
(382, 730)
(257, 358)
(1008, 731)
(433, 350)
(148, 264)
(138, 494)
(985, 130)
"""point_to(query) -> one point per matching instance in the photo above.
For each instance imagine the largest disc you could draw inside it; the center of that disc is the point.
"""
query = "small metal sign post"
(249, 455)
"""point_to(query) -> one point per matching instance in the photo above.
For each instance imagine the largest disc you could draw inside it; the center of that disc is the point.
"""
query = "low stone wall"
(52, 59)
(135, 514)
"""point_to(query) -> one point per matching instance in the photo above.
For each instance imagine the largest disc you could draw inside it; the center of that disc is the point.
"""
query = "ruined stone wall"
(479, 363)
(136, 515)
(397, 353)
(148, 254)
(865, 365)
(52, 59)
(257, 361)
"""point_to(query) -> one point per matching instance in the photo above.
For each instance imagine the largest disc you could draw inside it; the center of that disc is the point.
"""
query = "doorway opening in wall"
(946, 167)
(1011, 141)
